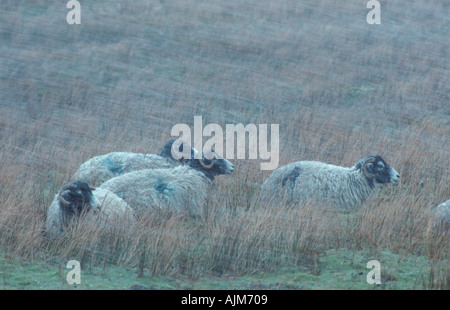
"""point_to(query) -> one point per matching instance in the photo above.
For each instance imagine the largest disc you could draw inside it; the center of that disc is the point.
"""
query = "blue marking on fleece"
(162, 187)
(113, 167)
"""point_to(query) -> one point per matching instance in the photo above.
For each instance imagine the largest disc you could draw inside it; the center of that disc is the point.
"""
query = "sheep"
(99, 169)
(78, 199)
(182, 189)
(442, 217)
(328, 184)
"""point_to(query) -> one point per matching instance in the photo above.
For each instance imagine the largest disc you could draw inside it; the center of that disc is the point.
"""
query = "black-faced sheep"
(99, 169)
(329, 184)
(182, 189)
(77, 200)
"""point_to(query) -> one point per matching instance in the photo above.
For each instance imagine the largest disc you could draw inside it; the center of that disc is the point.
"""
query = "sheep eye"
(380, 164)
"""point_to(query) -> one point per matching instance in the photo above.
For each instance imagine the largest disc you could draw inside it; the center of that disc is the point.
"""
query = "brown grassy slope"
(339, 88)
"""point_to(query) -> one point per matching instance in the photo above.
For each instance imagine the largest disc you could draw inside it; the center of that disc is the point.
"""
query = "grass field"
(339, 88)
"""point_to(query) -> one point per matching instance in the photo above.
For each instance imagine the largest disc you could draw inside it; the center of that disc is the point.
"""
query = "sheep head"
(76, 198)
(211, 164)
(374, 168)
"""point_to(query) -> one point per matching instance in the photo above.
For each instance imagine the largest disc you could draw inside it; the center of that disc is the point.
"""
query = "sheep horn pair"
(363, 168)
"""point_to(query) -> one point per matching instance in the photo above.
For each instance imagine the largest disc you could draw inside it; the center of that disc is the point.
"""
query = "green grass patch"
(337, 269)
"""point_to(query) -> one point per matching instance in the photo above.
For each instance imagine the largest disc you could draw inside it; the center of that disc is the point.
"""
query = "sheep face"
(212, 164)
(179, 147)
(375, 169)
(76, 198)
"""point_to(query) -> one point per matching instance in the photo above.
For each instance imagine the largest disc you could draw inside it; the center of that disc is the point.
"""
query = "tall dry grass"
(339, 88)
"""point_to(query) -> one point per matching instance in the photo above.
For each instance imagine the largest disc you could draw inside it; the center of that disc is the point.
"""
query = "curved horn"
(71, 186)
(205, 156)
(205, 165)
(363, 168)
(60, 197)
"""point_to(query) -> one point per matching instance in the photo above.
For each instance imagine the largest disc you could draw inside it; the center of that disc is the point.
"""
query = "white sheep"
(99, 169)
(442, 216)
(329, 184)
(182, 189)
(77, 200)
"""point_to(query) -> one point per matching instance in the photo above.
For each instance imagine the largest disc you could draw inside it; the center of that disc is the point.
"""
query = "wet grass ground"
(336, 269)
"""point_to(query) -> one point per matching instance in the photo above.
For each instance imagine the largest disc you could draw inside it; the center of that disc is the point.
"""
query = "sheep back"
(180, 189)
(99, 169)
(316, 181)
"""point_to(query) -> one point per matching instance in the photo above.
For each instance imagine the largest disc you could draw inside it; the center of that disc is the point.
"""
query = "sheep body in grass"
(442, 216)
(77, 200)
(182, 189)
(99, 169)
(328, 184)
